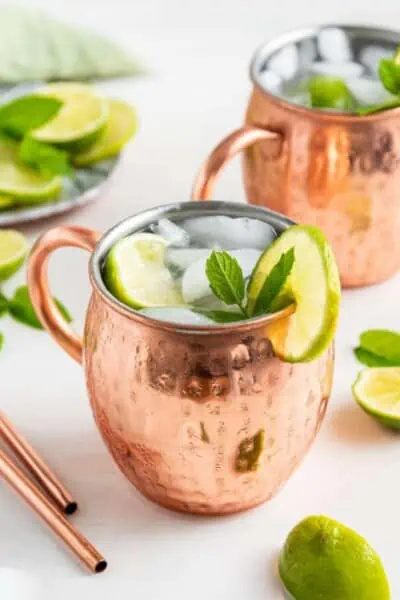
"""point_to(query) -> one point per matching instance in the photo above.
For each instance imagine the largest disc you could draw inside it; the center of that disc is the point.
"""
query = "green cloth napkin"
(34, 46)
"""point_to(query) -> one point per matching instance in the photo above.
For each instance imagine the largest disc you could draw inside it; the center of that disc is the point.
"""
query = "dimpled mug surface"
(178, 404)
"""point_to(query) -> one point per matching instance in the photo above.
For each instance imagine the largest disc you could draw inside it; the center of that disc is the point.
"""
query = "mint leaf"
(274, 284)
(389, 73)
(27, 113)
(330, 92)
(220, 316)
(226, 278)
(372, 360)
(383, 343)
(21, 309)
(44, 157)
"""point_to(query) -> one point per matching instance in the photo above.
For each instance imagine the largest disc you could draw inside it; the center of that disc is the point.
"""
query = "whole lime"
(325, 560)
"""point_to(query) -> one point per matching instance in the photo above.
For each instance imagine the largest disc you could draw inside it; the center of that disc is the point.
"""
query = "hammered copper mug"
(334, 170)
(178, 404)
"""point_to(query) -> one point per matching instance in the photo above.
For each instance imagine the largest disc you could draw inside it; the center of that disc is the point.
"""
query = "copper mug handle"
(44, 305)
(235, 142)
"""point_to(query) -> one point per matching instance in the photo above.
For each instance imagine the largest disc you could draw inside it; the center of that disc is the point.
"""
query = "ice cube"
(345, 70)
(182, 258)
(270, 81)
(370, 56)
(307, 52)
(368, 91)
(171, 232)
(334, 45)
(184, 316)
(285, 62)
(230, 233)
(195, 283)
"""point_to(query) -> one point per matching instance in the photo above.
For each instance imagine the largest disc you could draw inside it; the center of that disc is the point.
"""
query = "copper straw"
(35, 465)
(79, 545)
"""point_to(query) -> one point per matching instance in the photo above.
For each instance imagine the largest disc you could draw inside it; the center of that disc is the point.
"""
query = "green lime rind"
(313, 285)
(13, 250)
(119, 129)
(325, 560)
(80, 121)
(20, 182)
(382, 404)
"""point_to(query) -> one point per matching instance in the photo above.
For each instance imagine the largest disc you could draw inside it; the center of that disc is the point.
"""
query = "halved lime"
(377, 391)
(23, 184)
(79, 121)
(120, 127)
(13, 249)
(314, 287)
(135, 273)
(323, 559)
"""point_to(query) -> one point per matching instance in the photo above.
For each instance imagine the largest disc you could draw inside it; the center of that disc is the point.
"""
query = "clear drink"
(332, 53)
(188, 245)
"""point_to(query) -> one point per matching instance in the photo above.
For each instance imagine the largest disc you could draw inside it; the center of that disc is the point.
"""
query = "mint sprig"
(274, 283)
(24, 114)
(226, 279)
(48, 159)
(21, 309)
(227, 282)
(379, 348)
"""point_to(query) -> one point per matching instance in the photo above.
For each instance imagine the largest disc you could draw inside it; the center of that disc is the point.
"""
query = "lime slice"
(120, 127)
(135, 272)
(23, 184)
(325, 560)
(377, 391)
(6, 202)
(79, 121)
(314, 287)
(13, 249)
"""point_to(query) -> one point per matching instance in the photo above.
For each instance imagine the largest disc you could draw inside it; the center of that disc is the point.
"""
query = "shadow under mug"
(334, 170)
(179, 405)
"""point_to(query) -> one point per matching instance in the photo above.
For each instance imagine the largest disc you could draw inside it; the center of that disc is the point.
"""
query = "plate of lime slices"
(59, 146)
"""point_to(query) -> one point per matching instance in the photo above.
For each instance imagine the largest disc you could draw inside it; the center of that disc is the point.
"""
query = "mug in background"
(177, 404)
(338, 171)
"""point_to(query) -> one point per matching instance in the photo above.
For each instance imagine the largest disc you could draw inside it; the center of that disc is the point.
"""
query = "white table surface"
(197, 53)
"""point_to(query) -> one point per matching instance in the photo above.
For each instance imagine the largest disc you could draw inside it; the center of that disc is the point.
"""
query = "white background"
(197, 54)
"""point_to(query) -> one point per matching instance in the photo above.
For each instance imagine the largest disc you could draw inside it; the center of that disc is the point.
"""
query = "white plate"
(83, 187)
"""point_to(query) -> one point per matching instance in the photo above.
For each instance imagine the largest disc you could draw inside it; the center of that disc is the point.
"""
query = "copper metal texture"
(176, 404)
(338, 171)
(71, 537)
(60, 496)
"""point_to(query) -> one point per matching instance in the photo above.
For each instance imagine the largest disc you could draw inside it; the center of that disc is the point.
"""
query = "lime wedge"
(313, 285)
(6, 202)
(13, 249)
(79, 121)
(323, 559)
(23, 184)
(120, 127)
(377, 391)
(135, 273)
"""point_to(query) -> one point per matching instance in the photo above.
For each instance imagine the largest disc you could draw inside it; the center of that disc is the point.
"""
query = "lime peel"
(135, 273)
(314, 286)
(377, 391)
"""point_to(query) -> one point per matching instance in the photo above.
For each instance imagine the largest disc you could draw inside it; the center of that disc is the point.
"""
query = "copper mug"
(334, 170)
(176, 405)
